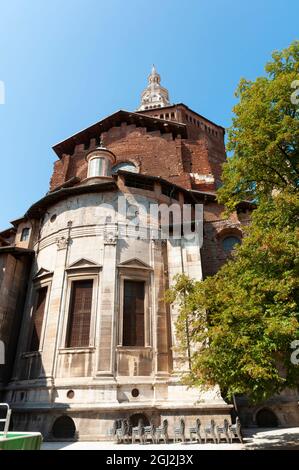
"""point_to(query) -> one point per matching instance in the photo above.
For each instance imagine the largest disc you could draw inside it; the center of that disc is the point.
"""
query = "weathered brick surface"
(59, 175)
(216, 228)
(194, 162)
(174, 159)
(204, 150)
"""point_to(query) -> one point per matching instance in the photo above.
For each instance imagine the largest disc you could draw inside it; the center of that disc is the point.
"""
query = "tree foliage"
(264, 136)
(242, 320)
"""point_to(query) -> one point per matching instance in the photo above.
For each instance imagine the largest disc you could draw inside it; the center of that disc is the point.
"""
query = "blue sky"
(68, 63)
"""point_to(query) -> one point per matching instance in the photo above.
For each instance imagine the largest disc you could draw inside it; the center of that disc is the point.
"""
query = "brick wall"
(216, 228)
(194, 162)
(155, 154)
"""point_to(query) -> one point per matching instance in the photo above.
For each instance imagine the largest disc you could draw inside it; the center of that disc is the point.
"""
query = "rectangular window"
(79, 314)
(38, 317)
(139, 183)
(25, 234)
(133, 313)
(169, 190)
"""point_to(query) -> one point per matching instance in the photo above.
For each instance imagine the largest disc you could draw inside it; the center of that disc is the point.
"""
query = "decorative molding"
(79, 350)
(110, 237)
(62, 243)
(135, 263)
(42, 273)
(83, 263)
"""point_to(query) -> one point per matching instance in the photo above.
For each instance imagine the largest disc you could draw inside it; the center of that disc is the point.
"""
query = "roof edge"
(58, 148)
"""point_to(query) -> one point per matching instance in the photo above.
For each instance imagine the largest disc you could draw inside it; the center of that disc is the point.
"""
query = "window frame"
(75, 336)
(27, 229)
(132, 334)
(80, 276)
(40, 284)
(135, 274)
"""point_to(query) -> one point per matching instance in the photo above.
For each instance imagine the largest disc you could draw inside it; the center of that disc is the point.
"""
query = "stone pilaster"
(106, 337)
(160, 310)
(55, 308)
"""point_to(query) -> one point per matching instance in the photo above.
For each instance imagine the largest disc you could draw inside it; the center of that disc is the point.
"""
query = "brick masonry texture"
(175, 159)
(155, 154)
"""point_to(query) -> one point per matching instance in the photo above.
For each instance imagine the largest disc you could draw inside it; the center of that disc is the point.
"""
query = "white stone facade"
(78, 239)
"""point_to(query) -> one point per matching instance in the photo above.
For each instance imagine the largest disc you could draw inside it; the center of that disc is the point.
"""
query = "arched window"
(228, 243)
(126, 166)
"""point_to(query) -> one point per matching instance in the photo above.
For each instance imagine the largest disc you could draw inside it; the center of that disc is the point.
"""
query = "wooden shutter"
(79, 315)
(38, 317)
(133, 313)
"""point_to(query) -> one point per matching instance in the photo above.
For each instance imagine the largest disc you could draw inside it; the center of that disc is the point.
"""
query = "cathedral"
(88, 336)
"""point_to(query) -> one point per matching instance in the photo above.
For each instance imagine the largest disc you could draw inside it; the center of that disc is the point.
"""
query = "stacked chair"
(209, 431)
(195, 431)
(235, 431)
(161, 432)
(123, 432)
(179, 432)
(149, 433)
(138, 432)
(223, 430)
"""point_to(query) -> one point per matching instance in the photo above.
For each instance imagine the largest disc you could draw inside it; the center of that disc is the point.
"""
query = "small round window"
(228, 243)
(135, 392)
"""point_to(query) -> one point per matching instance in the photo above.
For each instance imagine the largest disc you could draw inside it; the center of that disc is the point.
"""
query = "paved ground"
(279, 438)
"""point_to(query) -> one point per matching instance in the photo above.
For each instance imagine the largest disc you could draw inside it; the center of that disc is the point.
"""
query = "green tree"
(241, 322)
(264, 136)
